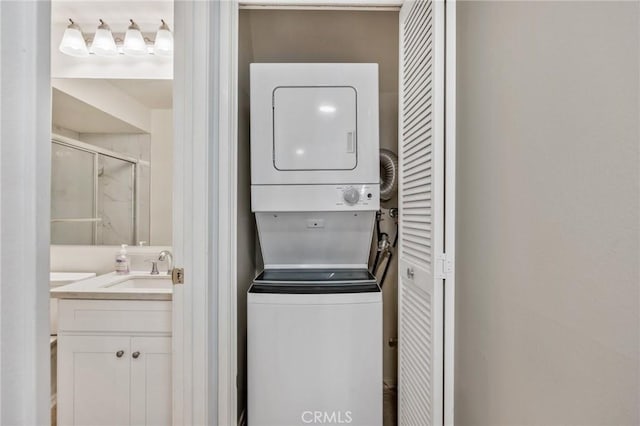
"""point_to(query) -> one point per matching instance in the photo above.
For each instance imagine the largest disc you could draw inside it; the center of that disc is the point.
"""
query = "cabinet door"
(150, 381)
(93, 380)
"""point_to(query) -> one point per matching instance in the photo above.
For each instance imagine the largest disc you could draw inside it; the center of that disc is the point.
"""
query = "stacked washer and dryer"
(314, 330)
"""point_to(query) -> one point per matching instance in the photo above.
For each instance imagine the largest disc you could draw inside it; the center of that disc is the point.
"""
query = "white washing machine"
(315, 348)
(314, 336)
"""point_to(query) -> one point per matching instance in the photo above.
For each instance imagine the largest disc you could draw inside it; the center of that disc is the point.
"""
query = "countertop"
(101, 287)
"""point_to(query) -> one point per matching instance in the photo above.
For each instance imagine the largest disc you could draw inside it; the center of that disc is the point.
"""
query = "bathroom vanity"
(114, 351)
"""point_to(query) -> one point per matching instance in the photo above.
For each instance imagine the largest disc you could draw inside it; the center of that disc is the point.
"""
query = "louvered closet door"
(421, 152)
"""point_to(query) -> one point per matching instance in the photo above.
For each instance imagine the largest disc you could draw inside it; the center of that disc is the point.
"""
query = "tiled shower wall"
(115, 188)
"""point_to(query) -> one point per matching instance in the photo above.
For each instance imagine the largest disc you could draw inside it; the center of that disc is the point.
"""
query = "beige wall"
(246, 244)
(547, 303)
(161, 176)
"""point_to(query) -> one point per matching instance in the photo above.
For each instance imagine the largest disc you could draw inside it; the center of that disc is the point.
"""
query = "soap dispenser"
(122, 261)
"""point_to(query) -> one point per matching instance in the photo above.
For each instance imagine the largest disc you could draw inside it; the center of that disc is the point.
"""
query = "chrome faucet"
(164, 254)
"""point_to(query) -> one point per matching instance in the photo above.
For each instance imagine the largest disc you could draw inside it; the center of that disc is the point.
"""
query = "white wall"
(107, 98)
(547, 298)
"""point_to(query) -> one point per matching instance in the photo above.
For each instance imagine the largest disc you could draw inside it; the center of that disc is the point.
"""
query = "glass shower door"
(93, 197)
(73, 212)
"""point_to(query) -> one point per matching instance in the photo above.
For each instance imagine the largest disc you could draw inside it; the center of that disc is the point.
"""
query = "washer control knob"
(351, 195)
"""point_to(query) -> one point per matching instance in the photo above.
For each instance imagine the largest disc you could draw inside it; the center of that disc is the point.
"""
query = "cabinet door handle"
(119, 354)
(136, 354)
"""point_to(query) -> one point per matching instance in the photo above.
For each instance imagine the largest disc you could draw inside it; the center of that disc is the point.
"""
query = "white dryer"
(315, 174)
(314, 124)
(314, 336)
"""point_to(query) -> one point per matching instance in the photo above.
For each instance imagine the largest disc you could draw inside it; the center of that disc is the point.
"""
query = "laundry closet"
(363, 36)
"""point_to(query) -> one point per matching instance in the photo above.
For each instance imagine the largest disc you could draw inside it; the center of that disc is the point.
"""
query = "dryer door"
(314, 124)
(314, 128)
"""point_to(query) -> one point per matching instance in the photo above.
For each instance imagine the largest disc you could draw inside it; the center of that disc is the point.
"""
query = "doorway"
(277, 35)
(111, 168)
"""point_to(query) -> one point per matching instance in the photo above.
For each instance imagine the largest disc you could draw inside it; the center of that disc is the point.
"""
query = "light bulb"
(103, 43)
(73, 43)
(134, 43)
(163, 45)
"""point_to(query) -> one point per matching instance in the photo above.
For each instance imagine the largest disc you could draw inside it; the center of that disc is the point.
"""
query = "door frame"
(450, 209)
(228, 226)
(25, 164)
(203, 212)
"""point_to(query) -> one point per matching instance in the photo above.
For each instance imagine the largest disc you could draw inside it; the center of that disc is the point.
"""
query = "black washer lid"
(315, 275)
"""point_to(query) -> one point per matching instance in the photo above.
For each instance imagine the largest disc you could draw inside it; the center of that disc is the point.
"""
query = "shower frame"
(96, 151)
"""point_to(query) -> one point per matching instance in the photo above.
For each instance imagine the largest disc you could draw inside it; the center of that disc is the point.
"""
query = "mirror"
(111, 162)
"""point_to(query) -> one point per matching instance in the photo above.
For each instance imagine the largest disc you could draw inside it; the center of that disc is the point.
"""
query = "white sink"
(57, 279)
(143, 282)
(134, 286)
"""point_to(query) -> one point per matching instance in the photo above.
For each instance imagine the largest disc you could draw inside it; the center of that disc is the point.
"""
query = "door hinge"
(444, 266)
(177, 275)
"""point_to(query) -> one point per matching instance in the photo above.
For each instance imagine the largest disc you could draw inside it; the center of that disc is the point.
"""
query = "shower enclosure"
(95, 195)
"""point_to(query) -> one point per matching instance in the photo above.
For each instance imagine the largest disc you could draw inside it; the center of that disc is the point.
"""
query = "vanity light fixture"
(73, 43)
(134, 43)
(163, 46)
(103, 43)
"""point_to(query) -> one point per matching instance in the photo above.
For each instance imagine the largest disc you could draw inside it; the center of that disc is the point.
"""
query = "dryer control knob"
(351, 196)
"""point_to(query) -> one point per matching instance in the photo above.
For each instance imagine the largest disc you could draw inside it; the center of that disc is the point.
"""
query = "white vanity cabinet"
(151, 381)
(114, 362)
(94, 381)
